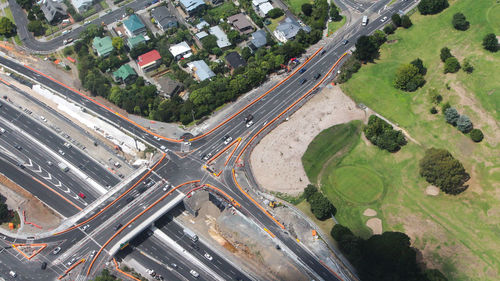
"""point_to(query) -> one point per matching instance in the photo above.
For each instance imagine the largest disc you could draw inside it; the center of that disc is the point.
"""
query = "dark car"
(148, 180)
(317, 76)
(44, 265)
(249, 117)
(18, 147)
(303, 81)
(302, 70)
(323, 52)
(345, 42)
(118, 226)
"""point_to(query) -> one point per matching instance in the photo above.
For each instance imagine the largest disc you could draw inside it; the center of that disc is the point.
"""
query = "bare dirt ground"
(276, 160)
(432, 190)
(235, 236)
(36, 212)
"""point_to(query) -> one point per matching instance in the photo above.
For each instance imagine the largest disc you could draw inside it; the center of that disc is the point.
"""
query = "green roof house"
(134, 41)
(134, 26)
(102, 46)
(124, 74)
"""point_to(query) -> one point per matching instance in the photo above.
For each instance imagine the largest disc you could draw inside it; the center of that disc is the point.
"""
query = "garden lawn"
(275, 22)
(296, 5)
(223, 11)
(457, 234)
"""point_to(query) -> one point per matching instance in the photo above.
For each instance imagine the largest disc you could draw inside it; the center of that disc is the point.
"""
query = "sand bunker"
(370, 212)
(432, 190)
(375, 224)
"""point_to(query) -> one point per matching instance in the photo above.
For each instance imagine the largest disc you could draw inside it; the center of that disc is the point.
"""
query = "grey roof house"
(258, 40)
(53, 11)
(191, 6)
(163, 18)
(288, 29)
(201, 70)
(234, 60)
(222, 40)
(82, 5)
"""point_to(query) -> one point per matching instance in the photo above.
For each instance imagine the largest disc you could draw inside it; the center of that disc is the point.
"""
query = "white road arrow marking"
(48, 177)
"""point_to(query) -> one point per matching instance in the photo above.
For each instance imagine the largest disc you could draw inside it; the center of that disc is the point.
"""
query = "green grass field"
(457, 234)
(296, 5)
(335, 25)
(223, 11)
(275, 22)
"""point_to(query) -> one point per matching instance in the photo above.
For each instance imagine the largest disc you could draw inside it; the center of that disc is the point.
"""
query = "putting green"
(357, 184)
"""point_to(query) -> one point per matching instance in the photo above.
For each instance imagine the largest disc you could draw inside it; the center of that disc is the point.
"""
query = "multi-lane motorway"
(120, 214)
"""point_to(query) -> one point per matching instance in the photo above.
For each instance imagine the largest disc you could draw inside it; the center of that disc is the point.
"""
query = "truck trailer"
(191, 234)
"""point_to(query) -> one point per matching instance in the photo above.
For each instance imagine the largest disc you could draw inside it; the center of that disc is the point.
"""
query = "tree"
(464, 124)
(434, 275)
(105, 276)
(334, 12)
(26, 4)
(396, 19)
(420, 65)
(445, 53)
(307, 9)
(366, 50)
(451, 115)
(451, 65)
(117, 42)
(459, 22)
(209, 42)
(309, 191)
(275, 13)
(378, 37)
(406, 22)
(439, 168)
(36, 27)
(4, 213)
(389, 29)
(381, 134)
(431, 7)
(467, 66)
(321, 207)
(476, 135)
(490, 42)
(408, 78)
(7, 28)
(233, 36)
(433, 110)
(434, 96)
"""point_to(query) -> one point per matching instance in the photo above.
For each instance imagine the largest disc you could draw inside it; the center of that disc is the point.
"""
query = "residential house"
(102, 46)
(168, 87)
(53, 11)
(191, 6)
(82, 5)
(136, 40)
(222, 40)
(181, 50)
(241, 23)
(262, 7)
(200, 35)
(234, 60)
(163, 18)
(288, 29)
(258, 39)
(200, 70)
(124, 74)
(134, 26)
(149, 60)
(202, 24)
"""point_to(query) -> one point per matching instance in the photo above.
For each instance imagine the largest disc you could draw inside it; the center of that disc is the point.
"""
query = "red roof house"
(149, 60)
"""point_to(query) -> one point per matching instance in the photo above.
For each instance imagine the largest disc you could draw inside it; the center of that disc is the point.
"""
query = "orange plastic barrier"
(255, 202)
(114, 201)
(133, 219)
(71, 268)
(269, 232)
(5, 82)
(222, 151)
(233, 201)
(57, 193)
(42, 246)
(102, 105)
(257, 99)
(123, 272)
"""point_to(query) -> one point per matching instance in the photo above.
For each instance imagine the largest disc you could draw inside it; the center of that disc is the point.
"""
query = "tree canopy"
(366, 50)
(451, 65)
(396, 19)
(7, 27)
(105, 276)
(408, 77)
(381, 134)
(476, 135)
(430, 7)
(406, 22)
(464, 124)
(445, 53)
(276, 13)
(459, 22)
(307, 9)
(490, 42)
(451, 115)
(439, 168)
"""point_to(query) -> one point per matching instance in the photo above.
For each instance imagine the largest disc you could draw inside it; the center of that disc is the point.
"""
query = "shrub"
(351, 66)
(444, 107)
(439, 168)
(490, 42)
(430, 7)
(451, 115)
(433, 110)
(406, 22)
(476, 135)
(434, 96)
(420, 65)
(459, 22)
(451, 65)
(408, 78)
(445, 53)
(389, 29)
(466, 66)
(321, 207)
(381, 134)
(464, 124)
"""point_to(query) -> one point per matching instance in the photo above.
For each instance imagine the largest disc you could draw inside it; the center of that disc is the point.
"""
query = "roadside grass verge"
(333, 26)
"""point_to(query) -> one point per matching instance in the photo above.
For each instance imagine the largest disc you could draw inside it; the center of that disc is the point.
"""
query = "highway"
(177, 168)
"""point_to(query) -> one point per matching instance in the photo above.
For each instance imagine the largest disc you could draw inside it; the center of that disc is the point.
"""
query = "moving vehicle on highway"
(365, 20)
(249, 124)
(194, 273)
(63, 167)
(189, 233)
(56, 250)
(208, 256)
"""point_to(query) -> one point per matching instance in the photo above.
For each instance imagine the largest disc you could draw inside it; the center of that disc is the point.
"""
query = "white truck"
(191, 234)
(365, 20)
(63, 167)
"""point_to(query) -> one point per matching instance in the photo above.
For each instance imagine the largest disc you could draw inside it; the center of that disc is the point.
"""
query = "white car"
(250, 123)
(43, 119)
(383, 19)
(208, 256)
(228, 140)
(61, 152)
(194, 273)
(167, 187)
(92, 254)
(85, 227)
(12, 274)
